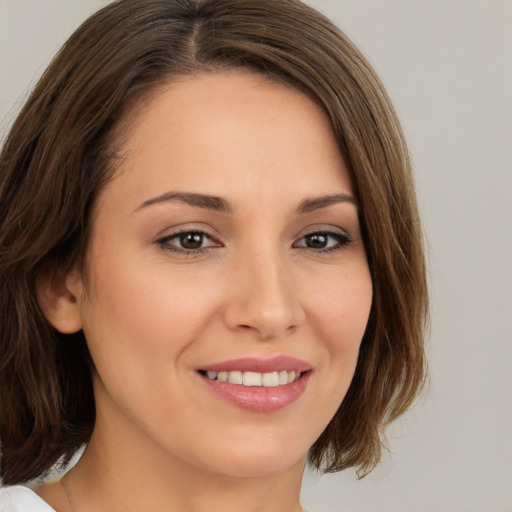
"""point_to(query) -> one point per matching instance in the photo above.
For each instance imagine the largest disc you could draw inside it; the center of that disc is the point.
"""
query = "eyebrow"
(221, 205)
(309, 205)
(198, 200)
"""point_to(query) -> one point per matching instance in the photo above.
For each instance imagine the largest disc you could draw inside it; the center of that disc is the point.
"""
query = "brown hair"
(61, 149)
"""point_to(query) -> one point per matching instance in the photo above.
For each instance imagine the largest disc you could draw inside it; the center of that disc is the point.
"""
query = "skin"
(153, 312)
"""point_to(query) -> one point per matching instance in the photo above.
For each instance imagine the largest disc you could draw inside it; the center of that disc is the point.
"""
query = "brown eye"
(188, 242)
(324, 241)
(191, 240)
(317, 240)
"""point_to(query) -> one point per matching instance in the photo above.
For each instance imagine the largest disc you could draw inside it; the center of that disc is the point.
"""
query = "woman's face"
(227, 247)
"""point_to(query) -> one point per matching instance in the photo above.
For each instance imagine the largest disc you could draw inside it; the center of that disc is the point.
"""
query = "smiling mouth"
(258, 385)
(254, 379)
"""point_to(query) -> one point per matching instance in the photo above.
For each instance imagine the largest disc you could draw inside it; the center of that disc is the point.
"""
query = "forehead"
(228, 132)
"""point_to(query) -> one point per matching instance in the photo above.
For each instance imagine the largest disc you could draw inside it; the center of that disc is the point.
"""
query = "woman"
(211, 262)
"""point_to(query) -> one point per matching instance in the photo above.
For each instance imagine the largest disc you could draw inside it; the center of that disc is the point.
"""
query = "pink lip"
(259, 399)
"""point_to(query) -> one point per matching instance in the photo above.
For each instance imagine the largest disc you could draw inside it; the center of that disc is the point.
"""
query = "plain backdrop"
(447, 66)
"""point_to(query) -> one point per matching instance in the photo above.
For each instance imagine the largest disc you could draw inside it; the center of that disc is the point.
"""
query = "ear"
(57, 295)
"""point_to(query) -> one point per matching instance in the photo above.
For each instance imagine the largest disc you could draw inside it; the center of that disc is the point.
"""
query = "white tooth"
(270, 380)
(235, 377)
(255, 379)
(291, 376)
(252, 379)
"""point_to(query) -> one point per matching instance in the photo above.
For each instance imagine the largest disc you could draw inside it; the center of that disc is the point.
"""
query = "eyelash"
(342, 240)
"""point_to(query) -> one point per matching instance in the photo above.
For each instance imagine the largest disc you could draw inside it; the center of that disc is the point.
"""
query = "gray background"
(447, 66)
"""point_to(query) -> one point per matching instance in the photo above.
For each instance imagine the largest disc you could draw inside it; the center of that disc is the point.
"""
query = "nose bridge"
(265, 300)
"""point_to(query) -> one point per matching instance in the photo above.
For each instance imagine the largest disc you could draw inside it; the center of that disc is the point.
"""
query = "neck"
(118, 474)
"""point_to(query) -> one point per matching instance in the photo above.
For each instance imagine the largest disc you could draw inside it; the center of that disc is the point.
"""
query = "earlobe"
(57, 297)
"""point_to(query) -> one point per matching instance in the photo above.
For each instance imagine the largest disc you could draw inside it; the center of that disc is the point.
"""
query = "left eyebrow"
(309, 205)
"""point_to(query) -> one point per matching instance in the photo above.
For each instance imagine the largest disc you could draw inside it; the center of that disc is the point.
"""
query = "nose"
(263, 297)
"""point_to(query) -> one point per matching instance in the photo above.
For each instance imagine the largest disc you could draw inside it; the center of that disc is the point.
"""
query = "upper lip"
(260, 365)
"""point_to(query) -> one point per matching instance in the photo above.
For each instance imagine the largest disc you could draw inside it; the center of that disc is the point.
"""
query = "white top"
(19, 498)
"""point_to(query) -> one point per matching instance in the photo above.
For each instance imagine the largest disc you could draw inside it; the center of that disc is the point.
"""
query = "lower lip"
(259, 399)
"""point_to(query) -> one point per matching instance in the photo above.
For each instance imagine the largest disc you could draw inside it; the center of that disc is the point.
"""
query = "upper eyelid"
(328, 230)
(170, 232)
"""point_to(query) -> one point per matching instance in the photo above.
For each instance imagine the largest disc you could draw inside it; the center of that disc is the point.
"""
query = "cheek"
(338, 308)
(143, 319)
(139, 328)
(342, 307)
(342, 311)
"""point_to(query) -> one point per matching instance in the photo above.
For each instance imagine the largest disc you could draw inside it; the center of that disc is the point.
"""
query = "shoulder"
(19, 498)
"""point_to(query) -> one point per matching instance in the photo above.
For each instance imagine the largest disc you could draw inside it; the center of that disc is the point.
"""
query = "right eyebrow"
(193, 199)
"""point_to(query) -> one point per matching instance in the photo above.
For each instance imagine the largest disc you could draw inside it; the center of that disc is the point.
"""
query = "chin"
(259, 461)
